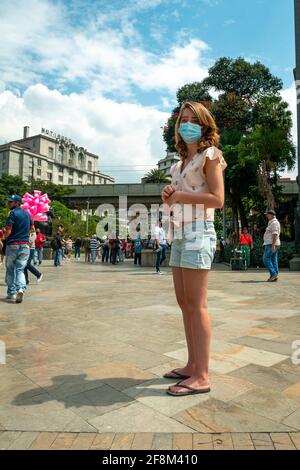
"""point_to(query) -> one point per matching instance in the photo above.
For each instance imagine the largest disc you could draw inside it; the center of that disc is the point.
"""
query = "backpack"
(54, 244)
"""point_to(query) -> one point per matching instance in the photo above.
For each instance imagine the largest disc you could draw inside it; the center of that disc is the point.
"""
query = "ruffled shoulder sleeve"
(174, 168)
(212, 153)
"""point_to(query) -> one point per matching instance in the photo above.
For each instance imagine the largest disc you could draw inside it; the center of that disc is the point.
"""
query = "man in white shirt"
(161, 245)
(272, 245)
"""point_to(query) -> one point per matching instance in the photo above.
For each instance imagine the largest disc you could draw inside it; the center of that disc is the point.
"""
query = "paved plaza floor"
(86, 351)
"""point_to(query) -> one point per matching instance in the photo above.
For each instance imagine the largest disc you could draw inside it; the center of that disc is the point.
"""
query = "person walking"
(138, 247)
(77, 248)
(57, 246)
(197, 181)
(271, 245)
(87, 250)
(69, 247)
(105, 249)
(124, 245)
(115, 249)
(246, 245)
(120, 251)
(39, 247)
(161, 245)
(16, 233)
(94, 246)
(30, 267)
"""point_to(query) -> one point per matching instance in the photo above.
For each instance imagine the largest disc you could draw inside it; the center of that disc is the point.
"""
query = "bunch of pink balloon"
(36, 205)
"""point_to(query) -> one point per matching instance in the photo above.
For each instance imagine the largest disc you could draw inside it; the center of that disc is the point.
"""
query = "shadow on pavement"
(76, 391)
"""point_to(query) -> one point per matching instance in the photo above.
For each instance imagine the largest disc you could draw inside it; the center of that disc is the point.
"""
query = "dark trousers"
(105, 254)
(29, 267)
(114, 252)
(137, 258)
(77, 251)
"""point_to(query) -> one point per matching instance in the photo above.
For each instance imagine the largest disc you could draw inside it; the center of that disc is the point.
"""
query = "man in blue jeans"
(16, 233)
(272, 245)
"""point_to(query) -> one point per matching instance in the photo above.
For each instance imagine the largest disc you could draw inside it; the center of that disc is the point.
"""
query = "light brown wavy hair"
(210, 136)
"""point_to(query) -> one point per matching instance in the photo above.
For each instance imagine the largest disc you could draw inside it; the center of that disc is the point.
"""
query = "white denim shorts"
(195, 247)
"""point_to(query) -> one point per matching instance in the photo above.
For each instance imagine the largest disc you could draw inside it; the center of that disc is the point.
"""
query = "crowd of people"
(23, 244)
(109, 249)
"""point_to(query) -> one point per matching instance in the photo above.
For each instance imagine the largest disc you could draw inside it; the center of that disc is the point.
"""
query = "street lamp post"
(295, 261)
(87, 216)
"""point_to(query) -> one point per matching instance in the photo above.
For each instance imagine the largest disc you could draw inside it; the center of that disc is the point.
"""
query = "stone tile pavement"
(28, 440)
(86, 351)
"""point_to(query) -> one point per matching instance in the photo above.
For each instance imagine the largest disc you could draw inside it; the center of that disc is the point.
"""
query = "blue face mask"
(190, 133)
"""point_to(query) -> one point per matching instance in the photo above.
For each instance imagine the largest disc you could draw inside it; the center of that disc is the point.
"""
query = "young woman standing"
(197, 182)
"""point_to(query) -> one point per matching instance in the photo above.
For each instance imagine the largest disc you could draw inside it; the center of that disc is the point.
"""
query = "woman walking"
(197, 189)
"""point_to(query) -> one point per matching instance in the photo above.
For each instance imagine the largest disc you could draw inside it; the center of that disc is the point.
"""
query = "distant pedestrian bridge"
(139, 193)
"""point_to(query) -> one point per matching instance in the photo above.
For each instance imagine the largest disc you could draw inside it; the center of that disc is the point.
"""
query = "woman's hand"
(174, 198)
(167, 191)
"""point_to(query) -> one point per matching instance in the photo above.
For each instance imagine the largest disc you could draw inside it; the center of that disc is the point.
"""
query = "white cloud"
(120, 133)
(40, 44)
(289, 95)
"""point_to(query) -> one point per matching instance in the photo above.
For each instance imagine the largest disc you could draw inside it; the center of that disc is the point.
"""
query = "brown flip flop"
(179, 376)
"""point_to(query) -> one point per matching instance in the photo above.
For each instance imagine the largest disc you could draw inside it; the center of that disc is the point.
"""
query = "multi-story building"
(50, 157)
(165, 163)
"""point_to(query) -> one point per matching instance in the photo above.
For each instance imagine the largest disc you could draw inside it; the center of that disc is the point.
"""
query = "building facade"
(50, 157)
(165, 163)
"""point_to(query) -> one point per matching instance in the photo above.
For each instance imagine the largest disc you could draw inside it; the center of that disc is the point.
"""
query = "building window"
(39, 172)
(79, 181)
(70, 181)
(90, 166)
(81, 160)
(60, 169)
(39, 162)
(50, 152)
(60, 154)
(49, 176)
(71, 172)
(105, 181)
(50, 166)
(89, 178)
(60, 178)
(71, 157)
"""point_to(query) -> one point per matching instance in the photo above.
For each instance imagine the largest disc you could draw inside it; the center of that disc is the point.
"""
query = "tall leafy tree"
(241, 78)
(255, 127)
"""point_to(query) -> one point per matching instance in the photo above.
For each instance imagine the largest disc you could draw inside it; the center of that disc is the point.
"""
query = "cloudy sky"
(105, 72)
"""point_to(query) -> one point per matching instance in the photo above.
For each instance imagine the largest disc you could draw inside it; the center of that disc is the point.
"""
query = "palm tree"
(156, 176)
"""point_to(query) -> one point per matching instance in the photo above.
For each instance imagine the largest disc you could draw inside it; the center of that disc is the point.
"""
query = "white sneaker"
(11, 297)
(40, 278)
(20, 295)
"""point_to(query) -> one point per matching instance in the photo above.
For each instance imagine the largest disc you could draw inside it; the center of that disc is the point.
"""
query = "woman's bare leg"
(195, 284)
(180, 296)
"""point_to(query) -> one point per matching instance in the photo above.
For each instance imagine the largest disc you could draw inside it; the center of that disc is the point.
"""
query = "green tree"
(196, 91)
(54, 191)
(241, 78)
(169, 130)
(255, 128)
(270, 144)
(156, 176)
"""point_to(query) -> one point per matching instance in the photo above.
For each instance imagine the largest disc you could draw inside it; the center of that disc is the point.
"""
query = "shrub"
(287, 251)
